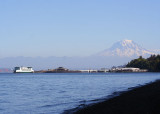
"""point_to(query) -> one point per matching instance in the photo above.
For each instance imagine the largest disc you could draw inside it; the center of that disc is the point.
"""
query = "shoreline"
(137, 100)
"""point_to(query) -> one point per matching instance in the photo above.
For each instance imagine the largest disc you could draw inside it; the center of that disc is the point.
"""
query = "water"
(55, 93)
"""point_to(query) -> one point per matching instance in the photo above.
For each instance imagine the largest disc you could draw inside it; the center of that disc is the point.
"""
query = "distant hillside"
(74, 63)
(5, 70)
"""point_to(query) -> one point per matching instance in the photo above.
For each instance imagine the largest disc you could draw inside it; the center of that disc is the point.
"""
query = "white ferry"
(23, 70)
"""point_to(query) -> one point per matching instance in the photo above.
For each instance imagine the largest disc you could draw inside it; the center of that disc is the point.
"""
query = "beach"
(141, 100)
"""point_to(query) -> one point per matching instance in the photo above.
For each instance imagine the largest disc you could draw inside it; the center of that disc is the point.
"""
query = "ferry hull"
(23, 72)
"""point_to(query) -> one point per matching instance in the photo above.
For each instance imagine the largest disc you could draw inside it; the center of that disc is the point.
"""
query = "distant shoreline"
(140, 100)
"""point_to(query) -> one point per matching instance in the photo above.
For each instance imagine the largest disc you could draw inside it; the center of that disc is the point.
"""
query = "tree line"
(152, 64)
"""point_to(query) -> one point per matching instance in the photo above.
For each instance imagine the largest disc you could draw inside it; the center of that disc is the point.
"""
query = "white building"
(126, 70)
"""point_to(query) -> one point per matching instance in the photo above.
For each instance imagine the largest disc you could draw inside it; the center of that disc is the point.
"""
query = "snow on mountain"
(126, 48)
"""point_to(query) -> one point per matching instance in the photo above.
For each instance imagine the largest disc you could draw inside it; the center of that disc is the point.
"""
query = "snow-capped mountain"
(119, 54)
(126, 48)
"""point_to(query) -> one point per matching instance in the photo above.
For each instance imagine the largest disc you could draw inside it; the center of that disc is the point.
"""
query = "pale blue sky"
(75, 27)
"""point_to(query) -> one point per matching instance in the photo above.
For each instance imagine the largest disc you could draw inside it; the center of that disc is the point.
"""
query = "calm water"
(54, 93)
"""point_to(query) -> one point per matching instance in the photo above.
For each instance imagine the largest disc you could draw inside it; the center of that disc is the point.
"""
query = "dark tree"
(152, 63)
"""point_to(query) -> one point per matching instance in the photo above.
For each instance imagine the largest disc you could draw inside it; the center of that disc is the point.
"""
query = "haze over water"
(55, 93)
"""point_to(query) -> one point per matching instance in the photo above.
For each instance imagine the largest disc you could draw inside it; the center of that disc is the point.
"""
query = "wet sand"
(141, 100)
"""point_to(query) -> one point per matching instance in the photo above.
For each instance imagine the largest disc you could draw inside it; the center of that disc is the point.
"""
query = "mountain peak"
(125, 48)
(127, 41)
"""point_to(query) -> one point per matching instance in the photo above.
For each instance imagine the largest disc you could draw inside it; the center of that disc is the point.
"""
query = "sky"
(45, 28)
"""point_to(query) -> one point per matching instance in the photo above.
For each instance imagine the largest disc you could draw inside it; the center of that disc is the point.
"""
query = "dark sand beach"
(140, 100)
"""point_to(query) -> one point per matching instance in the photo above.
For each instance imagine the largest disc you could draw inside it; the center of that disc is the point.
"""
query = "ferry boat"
(23, 70)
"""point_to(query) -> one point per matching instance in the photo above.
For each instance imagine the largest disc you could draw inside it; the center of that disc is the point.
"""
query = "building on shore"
(59, 70)
(103, 70)
(128, 70)
(89, 71)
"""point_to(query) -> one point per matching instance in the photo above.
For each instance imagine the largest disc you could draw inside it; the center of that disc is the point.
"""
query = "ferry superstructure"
(23, 70)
